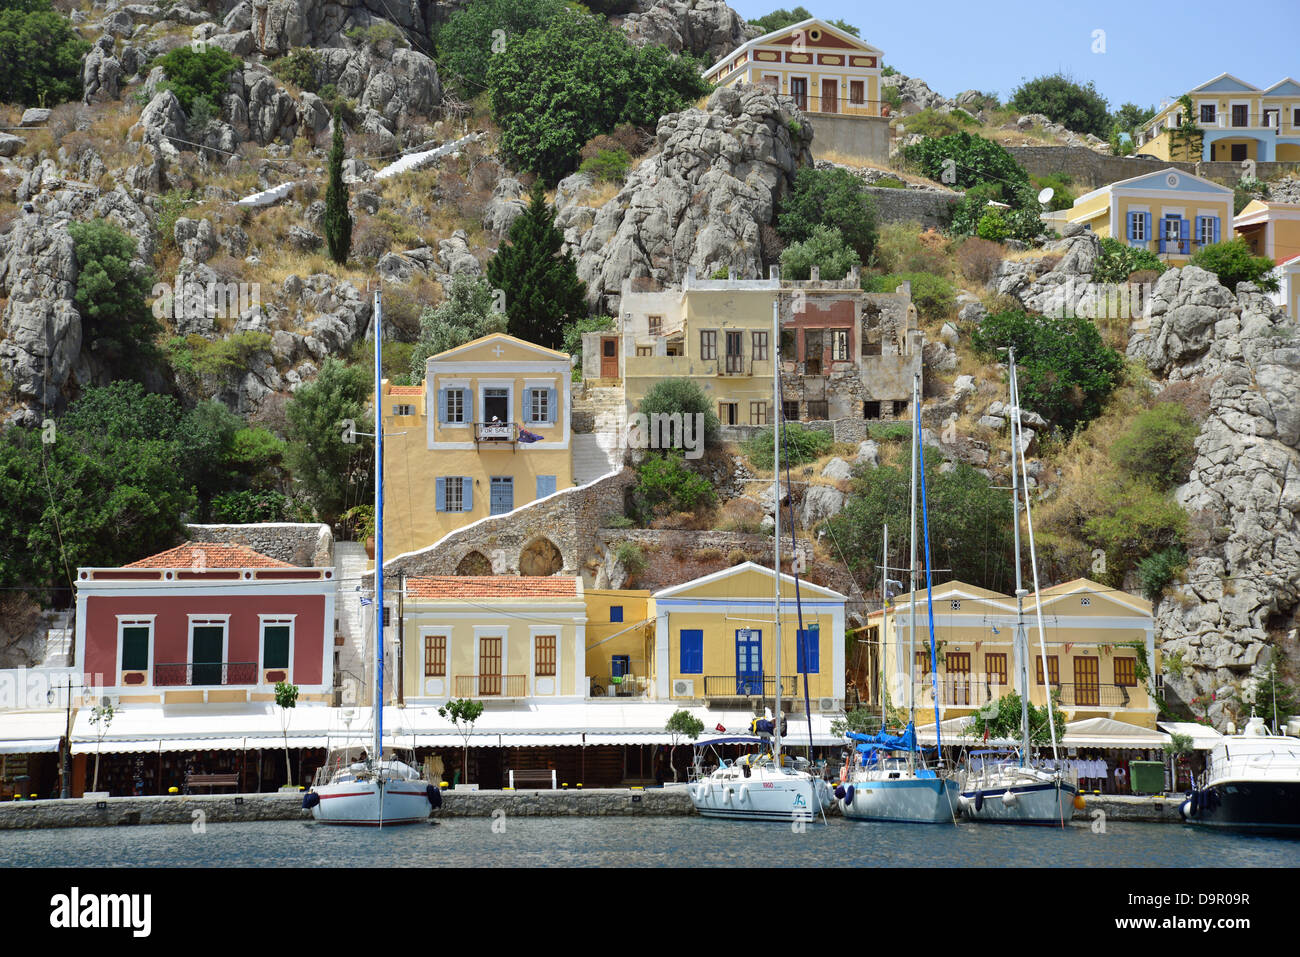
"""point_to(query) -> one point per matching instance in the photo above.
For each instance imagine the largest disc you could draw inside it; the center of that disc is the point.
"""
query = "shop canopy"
(1109, 733)
(1204, 738)
(31, 732)
(149, 729)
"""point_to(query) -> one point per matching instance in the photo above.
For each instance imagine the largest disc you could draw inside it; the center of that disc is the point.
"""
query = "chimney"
(816, 274)
(690, 277)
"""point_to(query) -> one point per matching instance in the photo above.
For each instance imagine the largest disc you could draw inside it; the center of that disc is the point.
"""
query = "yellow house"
(821, 67)
(714, 640)
(1273, 230)
(486, 433)
(1238, 122)
(1169, 212)
(1100, 646)
(494, 638)
(620, 642)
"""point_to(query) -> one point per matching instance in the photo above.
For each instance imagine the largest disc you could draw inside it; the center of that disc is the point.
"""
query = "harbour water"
(643, 842)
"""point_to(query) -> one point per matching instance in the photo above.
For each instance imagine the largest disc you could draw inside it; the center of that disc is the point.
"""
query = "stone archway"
(475, 563)
(540, 558)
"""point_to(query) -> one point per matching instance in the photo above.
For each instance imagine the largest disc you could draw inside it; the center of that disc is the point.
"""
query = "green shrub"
(1076, 107)
(1159, 446)
(1066, 371)
(684, 396)
(933, 296)
(889, 431)
(930, 122)
(216, 357)
(377, 34)
(608, 165)
(1118, 261)
(1136, 519)
(191, 73)
(829, 197)
(1233, 263)
(40, 55)
(1059, 183)
(977, 160)
(631, 556)
(992, 226)
(573, 333)
(1158, 570)
(825, 249)
(110, 296)
(1245, 191)
(798, 445)
(665, 484)
(890, 96)
(249, 506)
(299, 68)
(889, 182)
(467, 44)
(907, 247)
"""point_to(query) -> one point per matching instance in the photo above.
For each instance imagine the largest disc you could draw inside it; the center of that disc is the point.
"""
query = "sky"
(1146, 52)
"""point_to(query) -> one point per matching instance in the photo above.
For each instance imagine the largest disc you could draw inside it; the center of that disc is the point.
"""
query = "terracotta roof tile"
(214, 555)
(492, 586)
(406, 390)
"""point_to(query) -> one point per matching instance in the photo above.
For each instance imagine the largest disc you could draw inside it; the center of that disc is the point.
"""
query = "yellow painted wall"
(633, 636)
(1157, 203)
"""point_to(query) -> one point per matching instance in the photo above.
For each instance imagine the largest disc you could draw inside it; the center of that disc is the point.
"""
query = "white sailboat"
(765, 786)
(372, 788)
(891, 781)
(1016, 792)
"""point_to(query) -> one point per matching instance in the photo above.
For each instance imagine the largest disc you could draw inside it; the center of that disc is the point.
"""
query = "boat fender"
(1185, 809)
(744, 792)
(839, 793)
(848, 795)
(1193, 803)
(434, 795)
(310, 800)
(727, 794)
(1010, 800)
(979, 800)
(964, 800)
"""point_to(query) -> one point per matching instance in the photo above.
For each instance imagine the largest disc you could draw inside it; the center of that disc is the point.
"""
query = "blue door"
(503, 495)
(749, 661)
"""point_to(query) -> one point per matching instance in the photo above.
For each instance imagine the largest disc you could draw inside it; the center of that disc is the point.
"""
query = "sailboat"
(891, 782)
(765, 786)
(1015, 791)
(355, 786)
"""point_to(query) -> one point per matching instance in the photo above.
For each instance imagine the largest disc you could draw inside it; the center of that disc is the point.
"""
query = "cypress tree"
(541, 284)
(338, 221)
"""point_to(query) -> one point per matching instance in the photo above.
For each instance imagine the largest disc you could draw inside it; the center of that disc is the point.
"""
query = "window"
(955, 604)
(1052, 669)
(453, 493)
(656, 325)
(545, 485)
(539, 406)
(871, 409)
(1137, 227)
(454, 500)
(1126, 672)
(620, 665)
(135, 647)
(758, 413)
(922, 659)
(545, 657)
(760, 346)
(1295, 117)
(435, 656)
(790, 410)
(1085, 601)
(403, 410)
(503, 495)
(727, 413)
(856, 94)
(839, 345)
(808, 650)
(645, 350)
(900, 408)
(1207, 230)
(615, 612)
(818, 409)
(675, 348)
(453, 405)
(708, 344)
(275, 645)
(1240, 114)
(692, 651)
(995, 667)
(1207, 112)
(496, 405)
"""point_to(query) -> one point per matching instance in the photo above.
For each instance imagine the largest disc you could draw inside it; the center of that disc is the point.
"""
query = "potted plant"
(361, 519)
(286, 697)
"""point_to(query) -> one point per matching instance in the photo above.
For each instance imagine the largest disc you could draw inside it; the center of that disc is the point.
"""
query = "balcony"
(496, 433)
(491, 686)
(733, 365)
(748, 686)
(1075, 695)
(204, 674)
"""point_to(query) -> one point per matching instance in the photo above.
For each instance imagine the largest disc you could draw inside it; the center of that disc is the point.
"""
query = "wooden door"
(830, 96)
(735, 353)
(1086, 688)
(609, 357)
(957, 665)
(799, 91)
(489, 666)
(1240, 116)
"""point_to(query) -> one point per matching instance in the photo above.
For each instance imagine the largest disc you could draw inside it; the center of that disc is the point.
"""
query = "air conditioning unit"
(684, 688)
(826, 704)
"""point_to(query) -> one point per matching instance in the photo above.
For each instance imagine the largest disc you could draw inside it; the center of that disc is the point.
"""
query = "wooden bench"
(211, 781)
(535, 778)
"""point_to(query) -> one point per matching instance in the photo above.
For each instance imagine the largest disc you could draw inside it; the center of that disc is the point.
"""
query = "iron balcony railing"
(734, 365)
(491, 686)
(205, 674)
(1075, 695)
(496, 431)
(748, 686)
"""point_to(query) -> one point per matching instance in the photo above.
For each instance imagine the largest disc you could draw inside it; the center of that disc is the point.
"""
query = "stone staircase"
(599, 451)
(350, 563)
(60, 640)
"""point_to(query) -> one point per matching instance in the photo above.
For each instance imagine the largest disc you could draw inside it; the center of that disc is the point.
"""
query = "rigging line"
(801, 634)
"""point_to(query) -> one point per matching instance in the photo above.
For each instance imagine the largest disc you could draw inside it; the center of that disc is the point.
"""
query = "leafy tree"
(1136, 520)
(684, 397)
(1187, 134)
(192, 73)
(779, 19)
(100, 718)
(465, 315)
(1233, 262)
(825, 249)
(1118, 261)
(681, 724)
(1076, 107)
(859, 720)
(338, 221)
(573, 333)
(467, 44)
(975, 159)
(333, 472)
(462, 713)
(575, 77)
(666, 484)
(831, 197)
(1130, 118)
(110, 296)
(40, 54)
(286, 698)
(1002, 720)
(1159, 445)
(250, 506)
(1062, 197)
(798, 445)
(1066, 371)
(970, 520)
(541, 284)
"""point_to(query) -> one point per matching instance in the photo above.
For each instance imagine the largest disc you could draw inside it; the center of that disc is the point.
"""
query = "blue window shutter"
(442, 405)
(1132, 221)
(551, 410)
(1215, 221)
(615, 612)
(467, 494)
(1146, 226)
(440, 494)
(545, 485)
(692, 651)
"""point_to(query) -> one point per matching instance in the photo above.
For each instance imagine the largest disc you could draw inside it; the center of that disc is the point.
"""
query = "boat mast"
(884, 620)
(776, 536)
(1022, 638)
(911, 628)
(378, 753)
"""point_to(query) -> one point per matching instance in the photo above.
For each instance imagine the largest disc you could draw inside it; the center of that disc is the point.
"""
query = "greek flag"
(366, 601)
(995, 627)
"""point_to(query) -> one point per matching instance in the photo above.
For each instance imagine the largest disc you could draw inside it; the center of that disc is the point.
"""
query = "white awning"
(190, 728)
(1204, 738)
(31, 732)
(1109, 733)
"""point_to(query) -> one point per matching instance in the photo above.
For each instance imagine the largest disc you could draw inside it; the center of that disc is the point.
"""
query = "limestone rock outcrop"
(707, 29)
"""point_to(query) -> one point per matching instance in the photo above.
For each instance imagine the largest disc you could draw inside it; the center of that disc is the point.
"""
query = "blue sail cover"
(886, 741)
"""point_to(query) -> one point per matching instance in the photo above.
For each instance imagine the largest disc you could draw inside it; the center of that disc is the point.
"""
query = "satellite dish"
(1045, 195)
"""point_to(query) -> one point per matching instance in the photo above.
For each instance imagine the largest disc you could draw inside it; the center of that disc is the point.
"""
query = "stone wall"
(931, 209)
(864, 138)
(310, 545)
(1089, 170)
